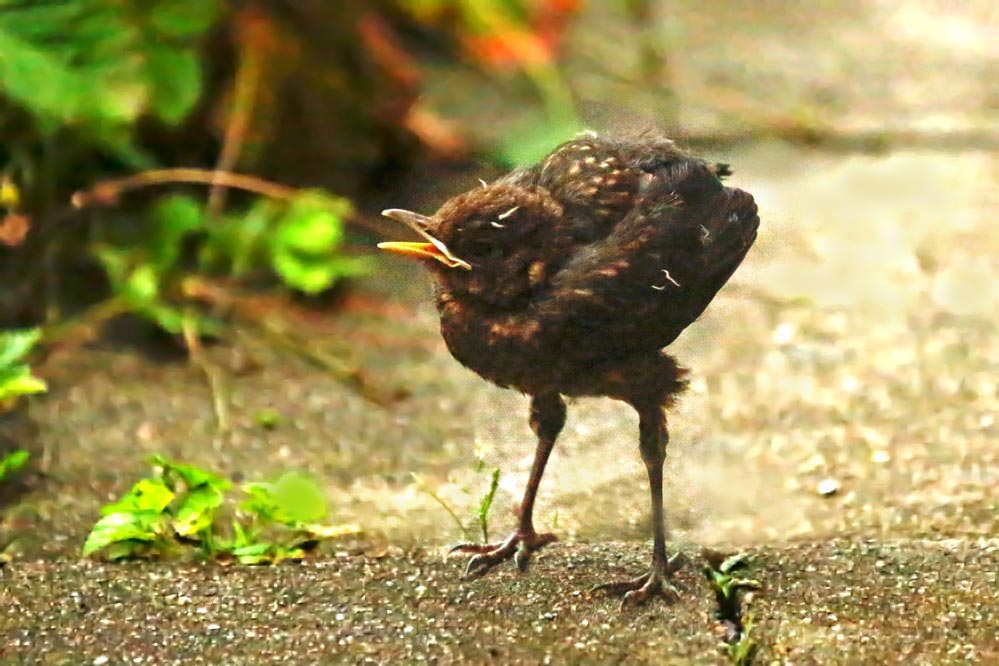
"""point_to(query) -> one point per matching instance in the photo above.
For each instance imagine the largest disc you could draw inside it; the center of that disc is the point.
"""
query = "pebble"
(828, 487)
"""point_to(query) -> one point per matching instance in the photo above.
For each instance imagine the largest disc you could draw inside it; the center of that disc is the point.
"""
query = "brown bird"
(569, 278)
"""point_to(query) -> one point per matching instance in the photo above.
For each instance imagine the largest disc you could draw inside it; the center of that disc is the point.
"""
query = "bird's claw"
(639, 590)
(517, 546)
(471, 548)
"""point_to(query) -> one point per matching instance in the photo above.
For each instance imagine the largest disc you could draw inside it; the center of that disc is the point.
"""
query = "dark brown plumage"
(568, 278)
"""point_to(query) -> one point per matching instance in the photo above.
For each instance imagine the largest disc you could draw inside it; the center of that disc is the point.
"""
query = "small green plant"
(726, 585)
(179, 501)
(179, 506)
(485, 504)
(293, 504)
(12, 462)
(742, 651)
(465, 532)
(482, 509)
(722, 575)
(15, 375)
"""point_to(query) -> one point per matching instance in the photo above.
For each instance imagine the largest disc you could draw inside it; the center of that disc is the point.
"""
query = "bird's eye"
(482, 250)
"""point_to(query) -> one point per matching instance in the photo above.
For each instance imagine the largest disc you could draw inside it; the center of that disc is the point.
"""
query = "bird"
(570, 278)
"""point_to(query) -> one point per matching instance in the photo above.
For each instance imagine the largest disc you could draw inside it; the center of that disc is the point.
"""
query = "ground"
(855, 350)
(838, 601)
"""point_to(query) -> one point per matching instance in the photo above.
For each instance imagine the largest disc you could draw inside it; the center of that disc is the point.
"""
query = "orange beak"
(431, 249)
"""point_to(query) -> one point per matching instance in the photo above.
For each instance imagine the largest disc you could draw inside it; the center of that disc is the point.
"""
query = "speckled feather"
(587, 264)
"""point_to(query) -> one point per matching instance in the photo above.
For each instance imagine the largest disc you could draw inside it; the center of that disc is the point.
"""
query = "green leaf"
(115, 527)
(41, 83)
(184, 18)
(98, 66)
(174, 217)
(175, 82)
(287, 553)
(132, 277)
(313, 231)
(734, 562)
(315, 274)
(745, 584)
(18, 380)
(143, 284)
(306, 240)
(267, 553)
(241, 536)
(293, 499)
(148, 495)
(115, 262)
(309, 276)
(300, 498)
(237, 242)
(261, 504)
(127, 549)
(267, 418)
(13, 462)
(192, 476)
(197, 510)
(312, 222)
(15, 344)
(254, 553)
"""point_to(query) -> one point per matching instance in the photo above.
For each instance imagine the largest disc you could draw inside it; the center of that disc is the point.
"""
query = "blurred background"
(200, 180)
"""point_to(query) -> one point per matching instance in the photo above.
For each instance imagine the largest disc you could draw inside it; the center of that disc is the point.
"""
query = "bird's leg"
(653, 437)
(547, 419)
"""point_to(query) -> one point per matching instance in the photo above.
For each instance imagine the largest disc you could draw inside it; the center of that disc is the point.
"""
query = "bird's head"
(495, 244)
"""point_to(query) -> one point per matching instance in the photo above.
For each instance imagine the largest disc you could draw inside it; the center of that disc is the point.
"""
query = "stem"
(108, 191)
(212, 373)
(275, 332)
(85, 324)
(244, 97)
(447, 507)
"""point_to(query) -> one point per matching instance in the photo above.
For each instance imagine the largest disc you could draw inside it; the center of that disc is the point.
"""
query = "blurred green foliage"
(299, 241)
(99, 88)
(80, 79)
(96, 67)
(15, 375)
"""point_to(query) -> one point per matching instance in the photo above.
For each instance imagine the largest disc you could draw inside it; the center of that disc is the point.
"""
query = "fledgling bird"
(568, 278)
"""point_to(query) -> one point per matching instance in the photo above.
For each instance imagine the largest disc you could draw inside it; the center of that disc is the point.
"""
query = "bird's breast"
(503, 347)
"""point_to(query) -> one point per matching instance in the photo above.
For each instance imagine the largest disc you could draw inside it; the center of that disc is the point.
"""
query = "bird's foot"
(519, 546)
(639, 590)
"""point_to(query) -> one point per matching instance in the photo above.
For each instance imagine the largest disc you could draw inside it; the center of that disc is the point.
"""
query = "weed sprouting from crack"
(482, 510)
(486, 503)
(727, 585)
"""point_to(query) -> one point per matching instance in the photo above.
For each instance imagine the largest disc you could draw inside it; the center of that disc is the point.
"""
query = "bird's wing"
(661, 265)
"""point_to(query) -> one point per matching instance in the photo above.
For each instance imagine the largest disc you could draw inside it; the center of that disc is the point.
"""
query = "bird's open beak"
(431, 249)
